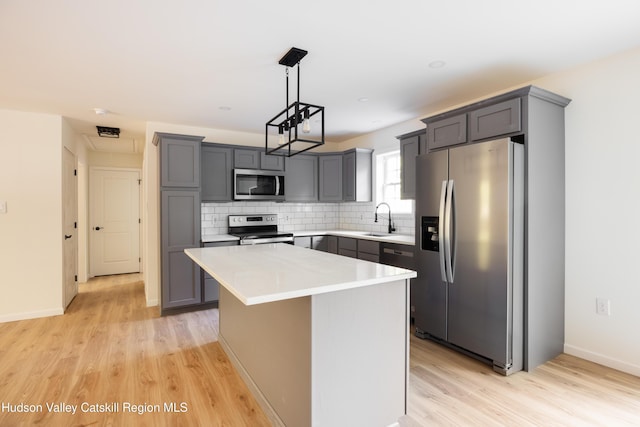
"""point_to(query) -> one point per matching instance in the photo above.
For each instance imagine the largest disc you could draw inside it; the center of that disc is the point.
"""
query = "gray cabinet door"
(357, 177)
(348, 247)
(495, 120)
(217, 173)
(303, 241)
(447, 132)
(179, 162)
(271, 162)
(246, 159)
(211, 287)
(369, 250)
(301, 178)
(409, 150)
(330, 178)
(180, 218)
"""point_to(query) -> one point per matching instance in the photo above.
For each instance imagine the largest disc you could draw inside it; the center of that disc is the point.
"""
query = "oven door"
(252, 184)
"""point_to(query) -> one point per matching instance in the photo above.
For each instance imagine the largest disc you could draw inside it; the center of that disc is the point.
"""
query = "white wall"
(31, 230)
(602, 208)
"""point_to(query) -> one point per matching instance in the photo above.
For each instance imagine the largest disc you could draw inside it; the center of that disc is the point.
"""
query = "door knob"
(67, 236)
(97, 228)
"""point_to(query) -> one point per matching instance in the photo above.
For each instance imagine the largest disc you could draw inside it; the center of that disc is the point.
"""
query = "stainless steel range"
(256, 229)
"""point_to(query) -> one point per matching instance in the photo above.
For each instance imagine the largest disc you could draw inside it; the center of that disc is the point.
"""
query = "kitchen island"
(321, 339)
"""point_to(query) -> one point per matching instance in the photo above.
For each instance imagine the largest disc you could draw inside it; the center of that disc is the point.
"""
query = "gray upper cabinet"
(217, 173)
(330, 178)
(179, 160)
(271, 162)
(180, 229)
(447, 132)
(246, 159)
(411, 145)
(301, 178)
(357, 175)
(495, 120)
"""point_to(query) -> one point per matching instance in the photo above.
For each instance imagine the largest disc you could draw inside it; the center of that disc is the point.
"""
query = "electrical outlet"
(603, 306)
(3, 207)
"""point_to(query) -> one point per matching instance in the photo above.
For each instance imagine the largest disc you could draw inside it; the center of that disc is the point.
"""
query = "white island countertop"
(257, 274)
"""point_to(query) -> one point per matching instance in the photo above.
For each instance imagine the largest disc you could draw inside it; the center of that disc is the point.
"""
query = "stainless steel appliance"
(257, 229)
(253, 184)
(470, 231)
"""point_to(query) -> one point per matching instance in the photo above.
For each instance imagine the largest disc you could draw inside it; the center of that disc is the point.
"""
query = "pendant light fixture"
(290, 132)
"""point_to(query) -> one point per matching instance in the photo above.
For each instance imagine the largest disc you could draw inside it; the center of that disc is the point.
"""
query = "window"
(388, 182)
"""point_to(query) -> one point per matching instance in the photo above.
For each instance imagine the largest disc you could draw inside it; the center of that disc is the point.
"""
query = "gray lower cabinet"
(369, 250)
(301, 178)
(330, 178)
(180, 229)
(357, 173)
(320, 243)
(211, 287)
(325, 243)
(402, 256)
(348, 247)
(303, 241)
(217, 173)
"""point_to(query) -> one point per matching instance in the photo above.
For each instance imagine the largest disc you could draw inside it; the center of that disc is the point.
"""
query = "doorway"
(114, 218)
(70, 227)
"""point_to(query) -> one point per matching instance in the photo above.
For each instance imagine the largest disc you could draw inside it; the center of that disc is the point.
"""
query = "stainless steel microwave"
(253, 184)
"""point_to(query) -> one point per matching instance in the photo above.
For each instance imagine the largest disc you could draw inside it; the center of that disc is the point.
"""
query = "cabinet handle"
(67, 236)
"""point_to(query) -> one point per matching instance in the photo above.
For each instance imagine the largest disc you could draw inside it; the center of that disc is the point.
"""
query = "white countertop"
(210, 238)
(257, 274)
(403, 239)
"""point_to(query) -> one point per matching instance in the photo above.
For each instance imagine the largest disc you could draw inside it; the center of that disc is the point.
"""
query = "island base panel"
(339, 358)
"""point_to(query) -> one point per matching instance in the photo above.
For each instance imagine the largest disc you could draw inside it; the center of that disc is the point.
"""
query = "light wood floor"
(109, 347)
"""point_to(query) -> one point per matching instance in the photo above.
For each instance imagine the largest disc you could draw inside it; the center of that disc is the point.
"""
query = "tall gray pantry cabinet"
(179, 219)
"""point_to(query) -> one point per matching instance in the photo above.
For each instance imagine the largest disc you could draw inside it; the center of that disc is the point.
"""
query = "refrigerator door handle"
(441, 230)
(450, 232)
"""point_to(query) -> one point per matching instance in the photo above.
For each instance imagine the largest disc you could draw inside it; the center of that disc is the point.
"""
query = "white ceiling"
(214, 63)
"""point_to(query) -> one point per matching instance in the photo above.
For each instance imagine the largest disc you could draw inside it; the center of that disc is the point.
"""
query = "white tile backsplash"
(306, 216)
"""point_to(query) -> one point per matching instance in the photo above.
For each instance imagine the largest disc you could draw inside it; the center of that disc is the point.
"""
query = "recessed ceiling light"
(100, 111)
(437, 64)
(363, 99)
(225, 108)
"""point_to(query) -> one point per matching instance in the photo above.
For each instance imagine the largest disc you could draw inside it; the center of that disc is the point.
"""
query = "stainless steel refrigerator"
(470, 254)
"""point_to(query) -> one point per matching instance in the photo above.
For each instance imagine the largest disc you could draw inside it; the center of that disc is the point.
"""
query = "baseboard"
(31, 315)
(152, 302)
(253, 387)
(602, 359)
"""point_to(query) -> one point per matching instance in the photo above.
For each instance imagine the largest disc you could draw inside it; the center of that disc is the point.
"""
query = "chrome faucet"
(391, 228)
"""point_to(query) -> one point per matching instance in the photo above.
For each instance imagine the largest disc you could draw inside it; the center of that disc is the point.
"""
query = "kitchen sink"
(378, 234)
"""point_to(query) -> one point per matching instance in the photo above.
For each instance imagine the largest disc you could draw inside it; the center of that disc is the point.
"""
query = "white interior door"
(115, 221)
(70, 218)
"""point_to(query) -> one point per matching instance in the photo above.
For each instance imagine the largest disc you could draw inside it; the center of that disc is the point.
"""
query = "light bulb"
(306, 126)
(280, 135)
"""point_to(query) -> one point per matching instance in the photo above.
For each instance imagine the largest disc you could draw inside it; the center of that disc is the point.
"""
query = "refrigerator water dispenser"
(430, 238)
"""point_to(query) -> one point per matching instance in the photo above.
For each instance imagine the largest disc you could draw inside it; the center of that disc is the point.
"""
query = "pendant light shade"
(290, 132)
